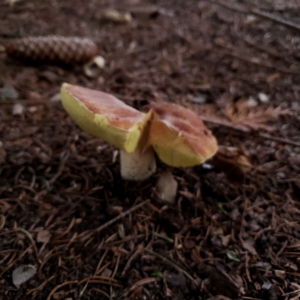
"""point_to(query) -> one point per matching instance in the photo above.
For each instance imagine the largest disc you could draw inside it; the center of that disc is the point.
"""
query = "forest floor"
(234, 231)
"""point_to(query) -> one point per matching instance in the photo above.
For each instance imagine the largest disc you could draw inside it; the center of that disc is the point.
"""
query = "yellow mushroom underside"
(104, 116)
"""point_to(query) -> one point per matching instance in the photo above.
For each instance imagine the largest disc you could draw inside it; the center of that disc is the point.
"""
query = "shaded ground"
(225, 236)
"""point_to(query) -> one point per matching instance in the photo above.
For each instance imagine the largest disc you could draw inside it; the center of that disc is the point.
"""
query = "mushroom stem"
(138, 165)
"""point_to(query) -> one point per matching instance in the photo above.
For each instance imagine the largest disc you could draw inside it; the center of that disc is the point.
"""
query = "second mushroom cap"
(179, 136)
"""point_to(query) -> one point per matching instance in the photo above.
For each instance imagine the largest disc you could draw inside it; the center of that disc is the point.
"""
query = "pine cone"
(53, 49)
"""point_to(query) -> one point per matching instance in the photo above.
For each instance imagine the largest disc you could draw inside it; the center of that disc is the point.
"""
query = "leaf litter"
(65, 209)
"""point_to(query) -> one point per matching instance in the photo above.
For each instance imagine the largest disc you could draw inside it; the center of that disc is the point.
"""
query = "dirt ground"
(234, 231)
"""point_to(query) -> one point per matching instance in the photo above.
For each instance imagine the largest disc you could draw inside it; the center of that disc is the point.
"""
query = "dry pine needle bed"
(72, 228)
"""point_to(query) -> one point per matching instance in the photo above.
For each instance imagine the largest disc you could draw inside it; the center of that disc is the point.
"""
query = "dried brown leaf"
(233, 161)
(240, 113)
(249, 246)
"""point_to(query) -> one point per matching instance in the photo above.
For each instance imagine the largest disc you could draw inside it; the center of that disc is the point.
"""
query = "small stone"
(18, 109)
(106, 272)
(281, 175)
(92, 68)
(250, 19)
(34, 96)
(264, 98)
(55, 98)
(166, 188)
(22, 274)
(43, 236)
(8, 92)
(266, 286)
(251, 102)
(199, 99)
(280, 274)
(32, 109)
(117, 17)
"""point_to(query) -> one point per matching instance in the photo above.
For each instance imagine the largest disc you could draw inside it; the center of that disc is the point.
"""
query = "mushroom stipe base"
(138, 165)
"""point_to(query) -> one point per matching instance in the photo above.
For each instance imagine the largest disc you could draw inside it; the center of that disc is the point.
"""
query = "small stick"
(59, 286)
(231, 52)
(40, 287)
(133, 256)
(248, 130)
(102, 292)
(117, 218)
(282, 248)
(138, 284)
(173, 265)
(116, 267)
(59, 172)
(259, 13)
(25, 232)
(290, 293)
(100, 262)
(276, 19)
(279, 139)
(247, 268)
(265, 49)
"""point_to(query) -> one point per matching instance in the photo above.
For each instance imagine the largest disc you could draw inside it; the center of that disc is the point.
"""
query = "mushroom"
(179, 136)
(104, 116)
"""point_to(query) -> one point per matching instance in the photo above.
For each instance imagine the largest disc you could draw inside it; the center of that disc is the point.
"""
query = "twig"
(169, 240)
(259, 233)
(276, 19)
(100, 262)
(249, 131)
(117, 218)
(278, 139)
(173, 265)
(100, 280)
(96, 277)
(265, 49)
(259, 13)
(2, 221)
(290, 293)
(138, 284)
(103, 268)
(59, 172)
(117, 266)
(231, 52)
(68, 229)
(231, 7)
(102, 292)
(12, 262)
(282, 248)
(26, 233)
(59, 286)
(36, 290)
(133, 256)
(247, 268)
